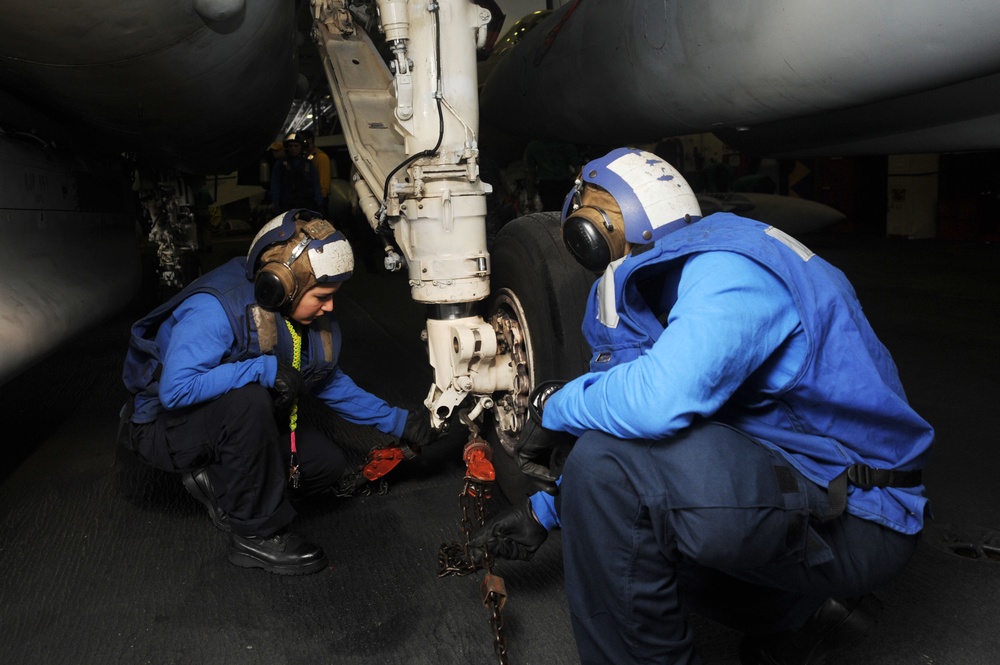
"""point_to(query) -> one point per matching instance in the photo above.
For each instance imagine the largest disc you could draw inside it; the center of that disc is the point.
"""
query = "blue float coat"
(761, 335)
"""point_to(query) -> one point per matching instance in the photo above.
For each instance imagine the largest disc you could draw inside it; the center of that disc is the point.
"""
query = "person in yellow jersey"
(321, 162)
(295, 179)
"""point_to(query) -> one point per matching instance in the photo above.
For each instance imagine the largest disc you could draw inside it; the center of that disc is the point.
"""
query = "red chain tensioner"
(383, 460)
(478, 458)
(456, 558)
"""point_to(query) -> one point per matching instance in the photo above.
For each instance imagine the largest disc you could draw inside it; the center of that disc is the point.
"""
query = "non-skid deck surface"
(103, 560)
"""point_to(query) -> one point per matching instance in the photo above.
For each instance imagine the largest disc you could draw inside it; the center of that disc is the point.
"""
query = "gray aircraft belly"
(614, 73)
(93, 91)
(69, 256)
(203, 85)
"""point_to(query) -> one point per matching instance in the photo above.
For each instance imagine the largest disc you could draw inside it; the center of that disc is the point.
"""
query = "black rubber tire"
(530, 261)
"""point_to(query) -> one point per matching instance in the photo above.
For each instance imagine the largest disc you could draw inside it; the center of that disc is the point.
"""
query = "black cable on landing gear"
(434, 7)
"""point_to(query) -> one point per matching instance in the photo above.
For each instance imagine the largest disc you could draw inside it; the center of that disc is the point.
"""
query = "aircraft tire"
(536, 279)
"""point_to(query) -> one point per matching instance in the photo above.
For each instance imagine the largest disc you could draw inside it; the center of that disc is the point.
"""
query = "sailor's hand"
(537, 451)
(512, 534)
(418, 432)
(288, 383)
(541, 394)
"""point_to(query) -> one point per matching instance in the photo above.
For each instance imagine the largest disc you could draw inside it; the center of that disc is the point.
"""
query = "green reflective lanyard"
(293, 420)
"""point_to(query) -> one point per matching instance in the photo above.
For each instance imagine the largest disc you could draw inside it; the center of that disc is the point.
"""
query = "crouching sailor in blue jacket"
(744, 448)
(215, 374)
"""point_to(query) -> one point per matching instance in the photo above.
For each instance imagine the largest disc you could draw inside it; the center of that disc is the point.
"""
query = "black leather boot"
(283, 553)
(199, 485)
(837, 624)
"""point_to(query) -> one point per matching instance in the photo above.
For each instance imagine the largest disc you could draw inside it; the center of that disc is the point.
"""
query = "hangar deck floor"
(107, 561)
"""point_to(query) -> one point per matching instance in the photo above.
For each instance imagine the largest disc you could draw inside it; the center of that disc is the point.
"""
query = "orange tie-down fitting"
(478, 464)
(382, 461)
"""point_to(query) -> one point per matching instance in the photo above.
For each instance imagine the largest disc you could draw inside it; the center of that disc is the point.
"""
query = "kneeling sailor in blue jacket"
(215, 374)
(743, 445)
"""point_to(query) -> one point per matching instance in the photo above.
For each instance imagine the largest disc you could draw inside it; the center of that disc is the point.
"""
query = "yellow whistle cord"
(293, 468)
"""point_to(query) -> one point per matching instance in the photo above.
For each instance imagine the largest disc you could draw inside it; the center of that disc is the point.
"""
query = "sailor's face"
(315, 303)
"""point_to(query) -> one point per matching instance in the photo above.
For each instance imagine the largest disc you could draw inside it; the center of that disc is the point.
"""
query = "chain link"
(355, 484)
(458, 559)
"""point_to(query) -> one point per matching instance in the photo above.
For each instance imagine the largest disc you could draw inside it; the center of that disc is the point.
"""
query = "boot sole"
(246, 561)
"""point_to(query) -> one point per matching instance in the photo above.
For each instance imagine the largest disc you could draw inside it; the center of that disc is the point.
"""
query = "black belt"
(866, 477)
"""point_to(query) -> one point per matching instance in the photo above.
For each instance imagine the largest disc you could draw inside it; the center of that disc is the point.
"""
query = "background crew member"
(216, 373)
(745, 449)
(294, 179)
(321, 162)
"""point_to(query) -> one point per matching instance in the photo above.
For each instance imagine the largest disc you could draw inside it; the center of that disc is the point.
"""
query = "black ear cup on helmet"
(592, 238)
(274, 286)
(586, 243)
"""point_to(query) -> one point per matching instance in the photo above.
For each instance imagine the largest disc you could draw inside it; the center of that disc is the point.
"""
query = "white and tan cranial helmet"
(293, 253)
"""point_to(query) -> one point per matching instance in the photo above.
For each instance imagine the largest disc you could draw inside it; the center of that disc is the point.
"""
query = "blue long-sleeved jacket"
(207, 341)
(762, 335)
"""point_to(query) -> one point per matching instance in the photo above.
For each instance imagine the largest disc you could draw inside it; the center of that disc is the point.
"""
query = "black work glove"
(513, 534)
(288, 383)
(539, 454)
(539, 451)
(541, 394)
(417, 432)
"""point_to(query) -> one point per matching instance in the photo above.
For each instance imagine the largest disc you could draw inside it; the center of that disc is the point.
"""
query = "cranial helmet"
(293, 253)
(628, 196)
(306, 136)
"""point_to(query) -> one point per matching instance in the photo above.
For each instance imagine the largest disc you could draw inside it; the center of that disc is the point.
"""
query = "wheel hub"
(511, 410)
